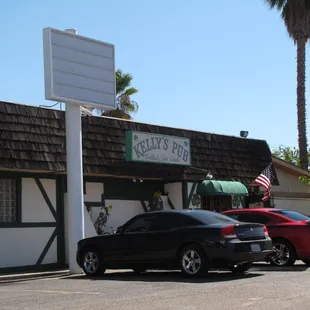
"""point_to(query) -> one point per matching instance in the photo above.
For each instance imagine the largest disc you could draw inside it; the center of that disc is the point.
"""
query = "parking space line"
(48, 291)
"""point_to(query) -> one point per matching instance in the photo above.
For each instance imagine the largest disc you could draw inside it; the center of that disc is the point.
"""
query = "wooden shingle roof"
(33, 138)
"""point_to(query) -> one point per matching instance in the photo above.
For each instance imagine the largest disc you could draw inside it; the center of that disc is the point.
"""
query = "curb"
(7, 278)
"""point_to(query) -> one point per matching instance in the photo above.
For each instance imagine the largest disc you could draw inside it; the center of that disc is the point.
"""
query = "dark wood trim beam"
(184, 194)
(46, 198)
(170, 203)
(47, 247)
(289, 195)
(144, 206)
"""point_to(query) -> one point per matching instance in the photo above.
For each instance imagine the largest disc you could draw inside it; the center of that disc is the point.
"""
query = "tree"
(287, 153)
(291, 155)
(296, 16)
(124, 91)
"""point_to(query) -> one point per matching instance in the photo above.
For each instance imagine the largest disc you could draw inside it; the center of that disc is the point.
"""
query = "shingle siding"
(33, 138)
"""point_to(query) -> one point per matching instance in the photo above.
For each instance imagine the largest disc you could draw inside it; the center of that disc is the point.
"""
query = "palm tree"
(296, 16)
(124, 91)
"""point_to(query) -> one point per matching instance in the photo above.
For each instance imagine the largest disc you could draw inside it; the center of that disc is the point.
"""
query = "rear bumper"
(303, 253)
(236, 251)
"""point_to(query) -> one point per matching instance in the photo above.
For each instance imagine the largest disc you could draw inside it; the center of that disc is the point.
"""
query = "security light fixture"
(244, 133)
(209, 176)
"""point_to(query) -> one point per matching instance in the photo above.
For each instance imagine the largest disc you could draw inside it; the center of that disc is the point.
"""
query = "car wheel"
(306, 261)
(241, 269)
(139, 270)
(193, 261)
(92, 263)
(284, 254)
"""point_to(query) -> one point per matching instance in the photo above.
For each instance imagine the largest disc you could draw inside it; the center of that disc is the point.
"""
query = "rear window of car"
(295, 216)
(208, 217)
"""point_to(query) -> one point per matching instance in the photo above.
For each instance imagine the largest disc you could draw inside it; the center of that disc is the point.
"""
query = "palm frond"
(123, 81)
(278, 4)
(125, 106)
(296, 16)
(130, 91)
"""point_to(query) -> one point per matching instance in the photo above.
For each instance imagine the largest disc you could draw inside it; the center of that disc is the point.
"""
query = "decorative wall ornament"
(102, 219)
(156, 202)
(196, 200)
(237, 202)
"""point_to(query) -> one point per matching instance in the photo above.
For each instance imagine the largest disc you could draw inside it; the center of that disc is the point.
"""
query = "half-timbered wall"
(32, 236)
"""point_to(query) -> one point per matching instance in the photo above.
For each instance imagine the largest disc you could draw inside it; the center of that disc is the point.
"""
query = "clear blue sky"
(214, 66)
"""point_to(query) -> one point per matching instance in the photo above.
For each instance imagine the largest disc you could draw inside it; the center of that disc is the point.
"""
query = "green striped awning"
(213, 187)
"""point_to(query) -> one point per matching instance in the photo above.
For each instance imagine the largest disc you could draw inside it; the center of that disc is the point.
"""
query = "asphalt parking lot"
(264, 288)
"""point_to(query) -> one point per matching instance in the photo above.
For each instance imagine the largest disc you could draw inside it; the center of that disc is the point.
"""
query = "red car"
(289, 231)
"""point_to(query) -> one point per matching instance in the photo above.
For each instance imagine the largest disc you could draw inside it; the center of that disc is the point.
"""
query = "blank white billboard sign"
(78, 70)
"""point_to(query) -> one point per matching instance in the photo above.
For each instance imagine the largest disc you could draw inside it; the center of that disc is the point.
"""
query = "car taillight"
(266, 231)
(228, 232)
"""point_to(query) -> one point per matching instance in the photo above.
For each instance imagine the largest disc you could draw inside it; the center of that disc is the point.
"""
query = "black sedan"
(190, 240)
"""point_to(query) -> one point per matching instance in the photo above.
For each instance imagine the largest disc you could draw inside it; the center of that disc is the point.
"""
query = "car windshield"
(208, 217)
(295, 216)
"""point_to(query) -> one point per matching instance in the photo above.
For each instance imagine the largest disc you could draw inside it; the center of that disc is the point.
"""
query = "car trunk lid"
(250, 231)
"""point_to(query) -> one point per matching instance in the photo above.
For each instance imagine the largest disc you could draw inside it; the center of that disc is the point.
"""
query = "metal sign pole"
(75, 198)
(80, 72)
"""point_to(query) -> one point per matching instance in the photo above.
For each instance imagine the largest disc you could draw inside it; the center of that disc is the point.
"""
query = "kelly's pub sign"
(155, 148)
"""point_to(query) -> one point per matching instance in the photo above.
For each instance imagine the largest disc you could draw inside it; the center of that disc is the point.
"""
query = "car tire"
(193, 261)
(285, 254)
(241, 269)
(139, 270)
(92, 263)
(306, 262)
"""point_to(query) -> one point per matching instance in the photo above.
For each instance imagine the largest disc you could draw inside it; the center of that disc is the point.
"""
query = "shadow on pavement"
(268, 267)
(169, 276)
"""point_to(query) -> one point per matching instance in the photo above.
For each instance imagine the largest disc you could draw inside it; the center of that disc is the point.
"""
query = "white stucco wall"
(23, 246)
(289, 183)
(301, 205)
(34, 206)
(94, 190)
(122, 211)
(175, 194)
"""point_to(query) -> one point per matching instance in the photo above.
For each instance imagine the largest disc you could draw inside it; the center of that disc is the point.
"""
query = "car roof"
(184, 211)
(252, 210)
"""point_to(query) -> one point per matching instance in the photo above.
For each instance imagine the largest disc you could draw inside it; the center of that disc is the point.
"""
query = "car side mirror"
(120, 230)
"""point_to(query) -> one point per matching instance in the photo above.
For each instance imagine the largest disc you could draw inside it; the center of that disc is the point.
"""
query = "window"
(211, 203)
(140, 223)
(253, 218)
(208, 217)
(7, 200)
(295, 216)
(233, 216)
(168, 221)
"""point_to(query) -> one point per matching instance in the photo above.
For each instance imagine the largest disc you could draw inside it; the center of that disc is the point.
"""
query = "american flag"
(264, 180)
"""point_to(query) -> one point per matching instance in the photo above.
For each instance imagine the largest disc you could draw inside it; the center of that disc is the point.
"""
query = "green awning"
(212, 187)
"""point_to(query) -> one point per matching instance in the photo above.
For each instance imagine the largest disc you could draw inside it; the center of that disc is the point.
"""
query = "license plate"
(255, 247)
